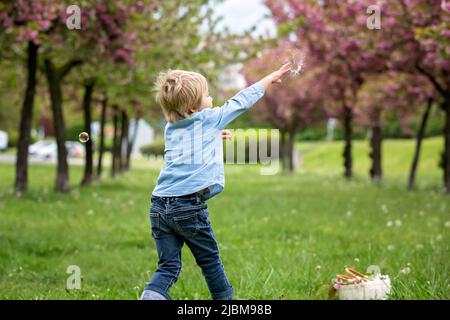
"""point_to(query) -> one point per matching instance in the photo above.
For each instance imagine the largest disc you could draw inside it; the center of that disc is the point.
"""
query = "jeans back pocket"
(187, 223)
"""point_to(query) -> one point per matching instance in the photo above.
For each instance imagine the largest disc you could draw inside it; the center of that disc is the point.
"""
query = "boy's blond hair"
(179, 91)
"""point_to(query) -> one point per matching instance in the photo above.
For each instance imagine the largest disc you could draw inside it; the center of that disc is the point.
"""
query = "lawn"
(281, 237)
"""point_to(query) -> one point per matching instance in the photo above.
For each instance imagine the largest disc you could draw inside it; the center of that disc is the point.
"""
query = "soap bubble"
(84, 137)
(297, 59)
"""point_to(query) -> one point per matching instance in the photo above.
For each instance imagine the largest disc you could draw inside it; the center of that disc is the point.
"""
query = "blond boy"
(193, 172)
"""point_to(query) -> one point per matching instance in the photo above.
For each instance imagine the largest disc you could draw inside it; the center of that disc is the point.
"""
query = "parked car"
(34, 149)
(47, 149)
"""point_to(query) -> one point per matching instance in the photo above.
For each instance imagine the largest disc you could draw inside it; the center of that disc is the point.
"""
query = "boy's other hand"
(226, 134)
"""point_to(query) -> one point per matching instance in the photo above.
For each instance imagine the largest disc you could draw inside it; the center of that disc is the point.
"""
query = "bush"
(154, 149)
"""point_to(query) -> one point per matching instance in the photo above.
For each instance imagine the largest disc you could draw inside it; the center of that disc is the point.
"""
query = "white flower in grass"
(318, 268)
(391, 247)
(356, 260)
(349, 213)
(439, 237)
(447, 224)
(419, 246)
(90, 212)
(398, 223)
(389, 224)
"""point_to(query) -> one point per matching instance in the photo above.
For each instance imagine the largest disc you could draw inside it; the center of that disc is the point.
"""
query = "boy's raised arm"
(245, 98)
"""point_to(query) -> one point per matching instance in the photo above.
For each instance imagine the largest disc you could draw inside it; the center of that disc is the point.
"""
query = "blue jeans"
(179, 220)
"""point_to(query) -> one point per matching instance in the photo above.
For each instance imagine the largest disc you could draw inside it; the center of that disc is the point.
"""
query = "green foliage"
(73, 132)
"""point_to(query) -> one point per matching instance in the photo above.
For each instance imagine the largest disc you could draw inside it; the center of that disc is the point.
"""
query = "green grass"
(273, 231)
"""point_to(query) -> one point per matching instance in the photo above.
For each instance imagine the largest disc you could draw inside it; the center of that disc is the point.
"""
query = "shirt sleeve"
(243, 100)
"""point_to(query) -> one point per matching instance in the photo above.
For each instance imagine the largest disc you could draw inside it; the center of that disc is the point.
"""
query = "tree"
(23, 22)
(420, 33)
(55, 76)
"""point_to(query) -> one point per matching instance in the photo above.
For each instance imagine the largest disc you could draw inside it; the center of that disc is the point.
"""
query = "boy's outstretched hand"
(276, 77)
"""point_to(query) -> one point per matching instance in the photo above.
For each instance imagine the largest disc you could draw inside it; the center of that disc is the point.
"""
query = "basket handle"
(354, 273)
(343, 277)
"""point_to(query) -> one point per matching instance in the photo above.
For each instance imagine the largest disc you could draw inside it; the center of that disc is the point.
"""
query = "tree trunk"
(54, 78)
(131, 143)
(347, 154)
(446, 155)
(376, 171)
(290, 151)
(21, 182)
(123, 143)
(115, 142)
(283, 150)
(88, 167)
(420, 134)
(101, 146)
(54, 83)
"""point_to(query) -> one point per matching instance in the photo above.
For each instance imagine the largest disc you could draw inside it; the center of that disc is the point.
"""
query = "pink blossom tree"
(23, 21)
(421, 39)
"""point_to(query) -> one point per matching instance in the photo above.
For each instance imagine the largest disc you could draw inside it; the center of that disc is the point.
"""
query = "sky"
(240, 15)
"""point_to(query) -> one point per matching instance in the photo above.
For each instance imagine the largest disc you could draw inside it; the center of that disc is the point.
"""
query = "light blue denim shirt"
(193, 155)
